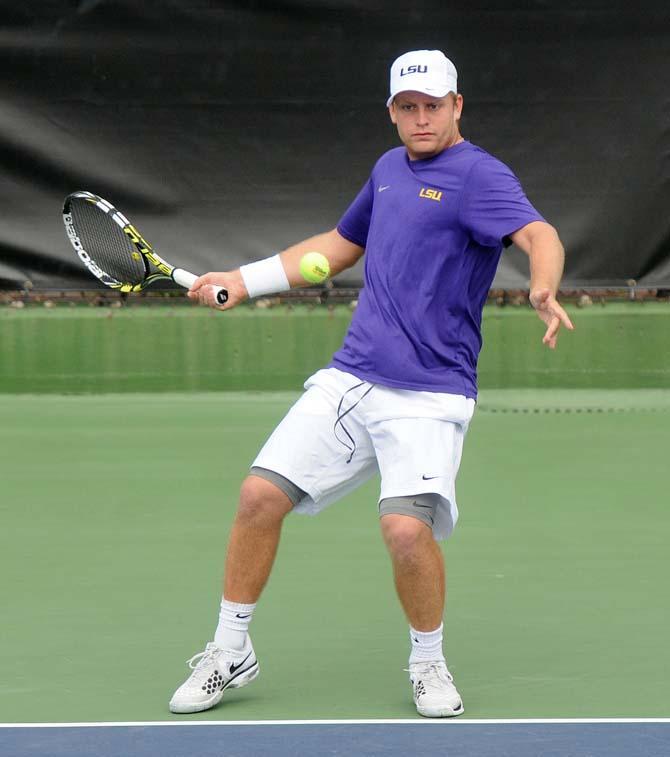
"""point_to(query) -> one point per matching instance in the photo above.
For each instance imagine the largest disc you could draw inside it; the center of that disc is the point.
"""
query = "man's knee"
(422, 507)
(262, 502)
(404, 534)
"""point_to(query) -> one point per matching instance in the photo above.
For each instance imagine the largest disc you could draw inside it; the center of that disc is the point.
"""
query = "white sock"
(234, 619)
(426, 645)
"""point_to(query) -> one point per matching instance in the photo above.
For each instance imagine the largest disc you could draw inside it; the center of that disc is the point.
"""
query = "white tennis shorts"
(343, 430)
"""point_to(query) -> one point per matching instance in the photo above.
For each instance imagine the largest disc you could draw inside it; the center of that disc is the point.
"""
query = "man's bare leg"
(251, 552)
(418, 569)
(254, 539)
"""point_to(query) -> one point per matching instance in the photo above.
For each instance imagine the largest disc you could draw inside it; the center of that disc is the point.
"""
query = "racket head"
(109, 245)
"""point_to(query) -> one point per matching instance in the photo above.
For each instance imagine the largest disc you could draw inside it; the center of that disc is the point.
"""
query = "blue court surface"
(350, 738)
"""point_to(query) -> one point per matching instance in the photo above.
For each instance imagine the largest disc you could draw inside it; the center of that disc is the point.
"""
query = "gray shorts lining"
(420, 506)
(293, 492)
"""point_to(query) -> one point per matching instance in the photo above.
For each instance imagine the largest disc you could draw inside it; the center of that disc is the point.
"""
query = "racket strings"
(106, 243)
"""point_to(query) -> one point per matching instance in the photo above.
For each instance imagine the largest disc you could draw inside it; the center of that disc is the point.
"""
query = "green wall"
(177, 348)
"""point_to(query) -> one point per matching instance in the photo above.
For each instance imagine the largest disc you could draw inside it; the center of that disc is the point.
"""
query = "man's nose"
(421, 115)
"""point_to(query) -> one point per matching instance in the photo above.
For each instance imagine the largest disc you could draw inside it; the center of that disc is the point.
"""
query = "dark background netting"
(227, 130)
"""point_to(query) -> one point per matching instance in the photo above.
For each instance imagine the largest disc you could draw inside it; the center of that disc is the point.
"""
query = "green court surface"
(115, 511)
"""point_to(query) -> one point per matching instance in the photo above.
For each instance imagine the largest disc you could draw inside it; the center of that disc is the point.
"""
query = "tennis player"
(397, 398)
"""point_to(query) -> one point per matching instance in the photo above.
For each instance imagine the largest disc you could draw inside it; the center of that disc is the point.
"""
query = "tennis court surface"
(115, 519)
(461, 738)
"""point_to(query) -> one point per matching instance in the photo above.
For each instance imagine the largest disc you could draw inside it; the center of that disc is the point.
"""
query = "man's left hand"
(548, 309)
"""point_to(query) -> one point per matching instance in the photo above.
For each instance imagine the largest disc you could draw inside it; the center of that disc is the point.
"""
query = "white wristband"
(265, 277)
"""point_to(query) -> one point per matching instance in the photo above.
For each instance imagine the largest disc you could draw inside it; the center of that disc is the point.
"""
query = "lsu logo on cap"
(431, 194)
(413, 70)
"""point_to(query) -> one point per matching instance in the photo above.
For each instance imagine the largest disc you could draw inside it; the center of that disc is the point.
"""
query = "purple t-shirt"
(433, 231)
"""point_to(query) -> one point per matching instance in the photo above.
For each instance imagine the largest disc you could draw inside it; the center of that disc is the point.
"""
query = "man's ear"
(392, 113)
(458, 106)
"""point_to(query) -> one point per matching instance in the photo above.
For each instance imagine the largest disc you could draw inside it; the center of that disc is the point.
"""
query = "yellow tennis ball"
(314, 267)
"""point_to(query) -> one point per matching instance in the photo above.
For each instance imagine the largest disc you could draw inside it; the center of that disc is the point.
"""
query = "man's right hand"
(203, 290)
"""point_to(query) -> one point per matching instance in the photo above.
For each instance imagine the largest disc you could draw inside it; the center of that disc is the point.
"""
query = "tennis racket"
(114, 251)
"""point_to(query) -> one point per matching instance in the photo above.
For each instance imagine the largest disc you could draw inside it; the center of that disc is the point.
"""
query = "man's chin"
(423, 149)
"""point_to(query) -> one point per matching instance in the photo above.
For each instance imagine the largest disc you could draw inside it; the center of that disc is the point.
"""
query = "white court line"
(408, 721)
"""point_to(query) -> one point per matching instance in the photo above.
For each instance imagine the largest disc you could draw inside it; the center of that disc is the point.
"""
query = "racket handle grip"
(186, 280)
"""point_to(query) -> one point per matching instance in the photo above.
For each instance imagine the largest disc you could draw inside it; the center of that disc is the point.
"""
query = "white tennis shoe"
(214, 671)
(435, 695)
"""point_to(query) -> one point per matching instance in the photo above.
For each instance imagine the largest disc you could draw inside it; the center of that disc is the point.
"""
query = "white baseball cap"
(427, 71)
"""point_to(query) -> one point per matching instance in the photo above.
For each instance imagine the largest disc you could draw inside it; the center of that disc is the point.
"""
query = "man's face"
(426, 125)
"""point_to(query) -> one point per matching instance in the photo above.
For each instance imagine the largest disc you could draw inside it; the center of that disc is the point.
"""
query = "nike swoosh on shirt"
(428, 478)
(386, 186)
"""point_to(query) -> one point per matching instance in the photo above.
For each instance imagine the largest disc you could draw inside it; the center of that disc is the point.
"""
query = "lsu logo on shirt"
(431, 194)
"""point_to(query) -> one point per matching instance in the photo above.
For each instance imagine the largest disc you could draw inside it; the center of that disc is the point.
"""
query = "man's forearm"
(547, 258)
(280, 272)
(341, 254)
